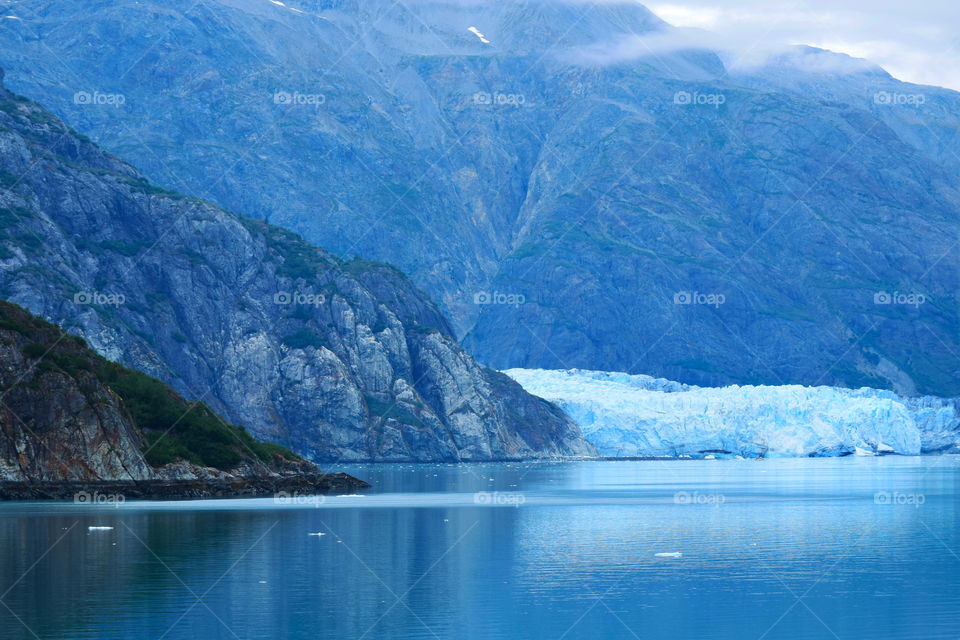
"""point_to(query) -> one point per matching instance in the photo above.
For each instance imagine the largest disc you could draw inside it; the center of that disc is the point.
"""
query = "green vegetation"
(10, 108)
(7, 179)
(144, 186)
(296, 266)
(303, 338)
(300, 260)
(174, 428)
(29, 241)
(128, 249)
(10, 216)
(359, 266)
(416, 327)
(391, 410)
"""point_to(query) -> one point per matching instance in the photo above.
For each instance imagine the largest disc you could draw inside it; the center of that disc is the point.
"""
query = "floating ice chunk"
(99, 528)
(318, 533)
(669, 554)
(863, 452)
(710, 457)
(351, 495)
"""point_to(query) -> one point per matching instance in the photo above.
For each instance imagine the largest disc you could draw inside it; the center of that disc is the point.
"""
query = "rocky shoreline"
(92, 492)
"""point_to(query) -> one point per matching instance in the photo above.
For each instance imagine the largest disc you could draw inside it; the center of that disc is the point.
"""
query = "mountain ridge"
(594, 190)
(338, 360)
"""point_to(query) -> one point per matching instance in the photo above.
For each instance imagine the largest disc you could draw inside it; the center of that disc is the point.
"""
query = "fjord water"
(805, 548)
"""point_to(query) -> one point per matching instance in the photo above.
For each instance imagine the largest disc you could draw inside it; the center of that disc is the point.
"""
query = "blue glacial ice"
(637, 415)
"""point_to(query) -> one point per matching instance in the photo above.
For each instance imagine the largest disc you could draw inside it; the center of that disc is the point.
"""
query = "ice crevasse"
(637, 415)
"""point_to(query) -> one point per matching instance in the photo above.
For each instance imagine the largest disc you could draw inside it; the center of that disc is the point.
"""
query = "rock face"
(548, 163)
(339, 361)
(68, 429)
(57, 428)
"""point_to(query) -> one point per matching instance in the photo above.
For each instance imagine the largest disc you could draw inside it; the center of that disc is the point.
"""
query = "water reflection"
(790, 549)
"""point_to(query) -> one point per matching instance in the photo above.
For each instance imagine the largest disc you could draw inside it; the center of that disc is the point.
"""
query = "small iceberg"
(669, 554)
(99, 528)
(351, 495)
(318, 533)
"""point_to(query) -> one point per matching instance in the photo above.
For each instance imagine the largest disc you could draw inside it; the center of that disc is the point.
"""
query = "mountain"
(636, 415)
(337, 360)
(72, 420)
(576, 183)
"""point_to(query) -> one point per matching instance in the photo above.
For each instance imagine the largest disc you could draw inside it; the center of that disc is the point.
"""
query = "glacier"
(628, 415)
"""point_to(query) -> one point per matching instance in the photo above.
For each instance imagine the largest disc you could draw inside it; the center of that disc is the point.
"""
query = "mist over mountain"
(577, 184)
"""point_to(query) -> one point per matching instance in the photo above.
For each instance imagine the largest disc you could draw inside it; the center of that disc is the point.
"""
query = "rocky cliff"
(338, 360)
(70, 421)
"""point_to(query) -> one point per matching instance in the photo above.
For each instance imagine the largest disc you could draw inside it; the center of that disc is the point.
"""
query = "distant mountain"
(337, 360)
(572, 189)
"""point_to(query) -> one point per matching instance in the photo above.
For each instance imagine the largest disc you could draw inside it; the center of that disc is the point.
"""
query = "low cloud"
(914, 42)
(736, 53)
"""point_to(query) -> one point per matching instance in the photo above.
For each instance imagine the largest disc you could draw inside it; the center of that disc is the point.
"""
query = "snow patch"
(477, 33)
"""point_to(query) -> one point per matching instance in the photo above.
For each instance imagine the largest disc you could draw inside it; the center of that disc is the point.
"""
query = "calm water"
(770, 549)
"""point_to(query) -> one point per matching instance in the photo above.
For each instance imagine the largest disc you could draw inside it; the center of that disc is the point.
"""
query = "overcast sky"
(915, 40)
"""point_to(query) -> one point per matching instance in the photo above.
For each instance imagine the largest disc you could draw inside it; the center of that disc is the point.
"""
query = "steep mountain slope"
(595, 179)
(69, 418)
(336, 360)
